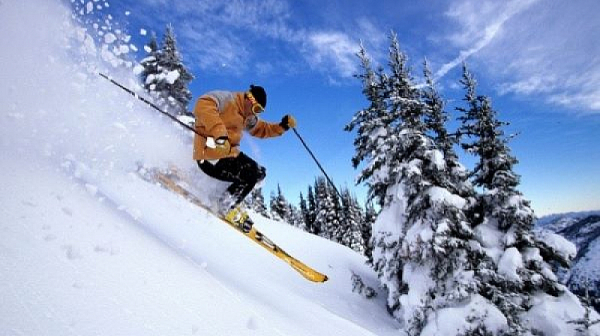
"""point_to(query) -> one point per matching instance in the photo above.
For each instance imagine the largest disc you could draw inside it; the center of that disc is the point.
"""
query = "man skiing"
(221, 117)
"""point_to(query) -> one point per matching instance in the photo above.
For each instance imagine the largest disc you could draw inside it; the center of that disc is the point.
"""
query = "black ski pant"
(243, 173)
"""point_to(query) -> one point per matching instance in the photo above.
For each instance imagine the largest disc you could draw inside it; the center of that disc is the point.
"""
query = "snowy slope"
(76, 260)
(88, 248)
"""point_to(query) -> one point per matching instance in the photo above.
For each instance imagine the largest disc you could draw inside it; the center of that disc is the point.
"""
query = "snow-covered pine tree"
(436, 119)
(280, 207)
(296, 218)
(321, 195)
(367, 230)
(372, 126)
(150, 64)
(480, 124)
(352, 218)
(516, 274)
(169, 85)
(424, 252)
(304, 213)
(311, 215)
(328, 210)
(256, 202)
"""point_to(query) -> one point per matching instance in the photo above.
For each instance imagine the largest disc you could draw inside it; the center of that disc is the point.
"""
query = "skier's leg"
(225, 202)
(243, 173)
(249, 174)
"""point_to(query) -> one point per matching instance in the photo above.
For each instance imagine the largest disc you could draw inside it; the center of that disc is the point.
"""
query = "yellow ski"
(166, 180)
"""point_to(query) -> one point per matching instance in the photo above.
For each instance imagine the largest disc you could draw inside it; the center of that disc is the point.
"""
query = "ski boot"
(240, 219)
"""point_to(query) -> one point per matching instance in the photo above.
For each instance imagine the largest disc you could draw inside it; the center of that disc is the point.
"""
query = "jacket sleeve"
(263, 129)
(208, 119)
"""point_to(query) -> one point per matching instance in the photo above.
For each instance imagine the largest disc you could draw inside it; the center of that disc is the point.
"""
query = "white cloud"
(220, 34)
(224, 34)
(211, 49)
(480, 23)
(250, 35)
(333, 50)
(539, 49)
(267, 36)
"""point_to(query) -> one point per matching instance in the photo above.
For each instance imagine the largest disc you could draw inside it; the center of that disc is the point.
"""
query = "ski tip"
(319, 278)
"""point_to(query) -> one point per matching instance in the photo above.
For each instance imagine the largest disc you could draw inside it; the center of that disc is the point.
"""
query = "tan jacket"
(221, 114)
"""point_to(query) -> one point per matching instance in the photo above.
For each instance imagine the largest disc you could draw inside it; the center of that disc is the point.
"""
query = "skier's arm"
(208, 118)
(263, 129)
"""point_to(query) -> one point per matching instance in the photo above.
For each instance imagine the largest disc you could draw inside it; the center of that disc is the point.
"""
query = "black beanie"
(259, 94)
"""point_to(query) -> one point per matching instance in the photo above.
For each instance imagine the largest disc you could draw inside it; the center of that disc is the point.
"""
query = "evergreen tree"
(256, 202)
(367, 230)
(280, 208)
(436, 118)
(304, 213)
(296, 218)
(167, 78)
(406, 108)
(480, 123)
(352, 218)
(311, 215)
(440, 250)
(373, 128)
(328, 210)
(424, 251)
(520, 271)
(321, 206)
(150, 64)
(335, 224)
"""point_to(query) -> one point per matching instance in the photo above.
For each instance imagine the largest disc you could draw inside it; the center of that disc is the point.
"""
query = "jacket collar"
(240, 104)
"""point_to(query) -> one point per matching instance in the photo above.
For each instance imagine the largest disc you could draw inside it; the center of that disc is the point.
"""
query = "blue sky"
(539, 61)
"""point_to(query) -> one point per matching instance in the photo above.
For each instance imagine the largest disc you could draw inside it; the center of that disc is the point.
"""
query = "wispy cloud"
(333, 50)
(236, 35)
(221, 35)
(225, 51)
(533, 48)
(580, 90)
(480, 22)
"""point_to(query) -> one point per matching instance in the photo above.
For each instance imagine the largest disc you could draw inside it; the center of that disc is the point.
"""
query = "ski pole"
(151, 104)
(316, 161)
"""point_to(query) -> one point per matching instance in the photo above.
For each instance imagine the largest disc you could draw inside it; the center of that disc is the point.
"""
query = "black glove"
(288, 122)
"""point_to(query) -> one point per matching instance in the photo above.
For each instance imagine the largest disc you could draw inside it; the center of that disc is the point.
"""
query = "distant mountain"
(583, 229)
(557, 222)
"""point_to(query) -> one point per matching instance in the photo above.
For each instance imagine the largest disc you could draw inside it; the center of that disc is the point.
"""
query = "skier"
(221, 116)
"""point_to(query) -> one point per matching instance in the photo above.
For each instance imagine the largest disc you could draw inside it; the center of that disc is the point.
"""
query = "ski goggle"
(256, 107)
